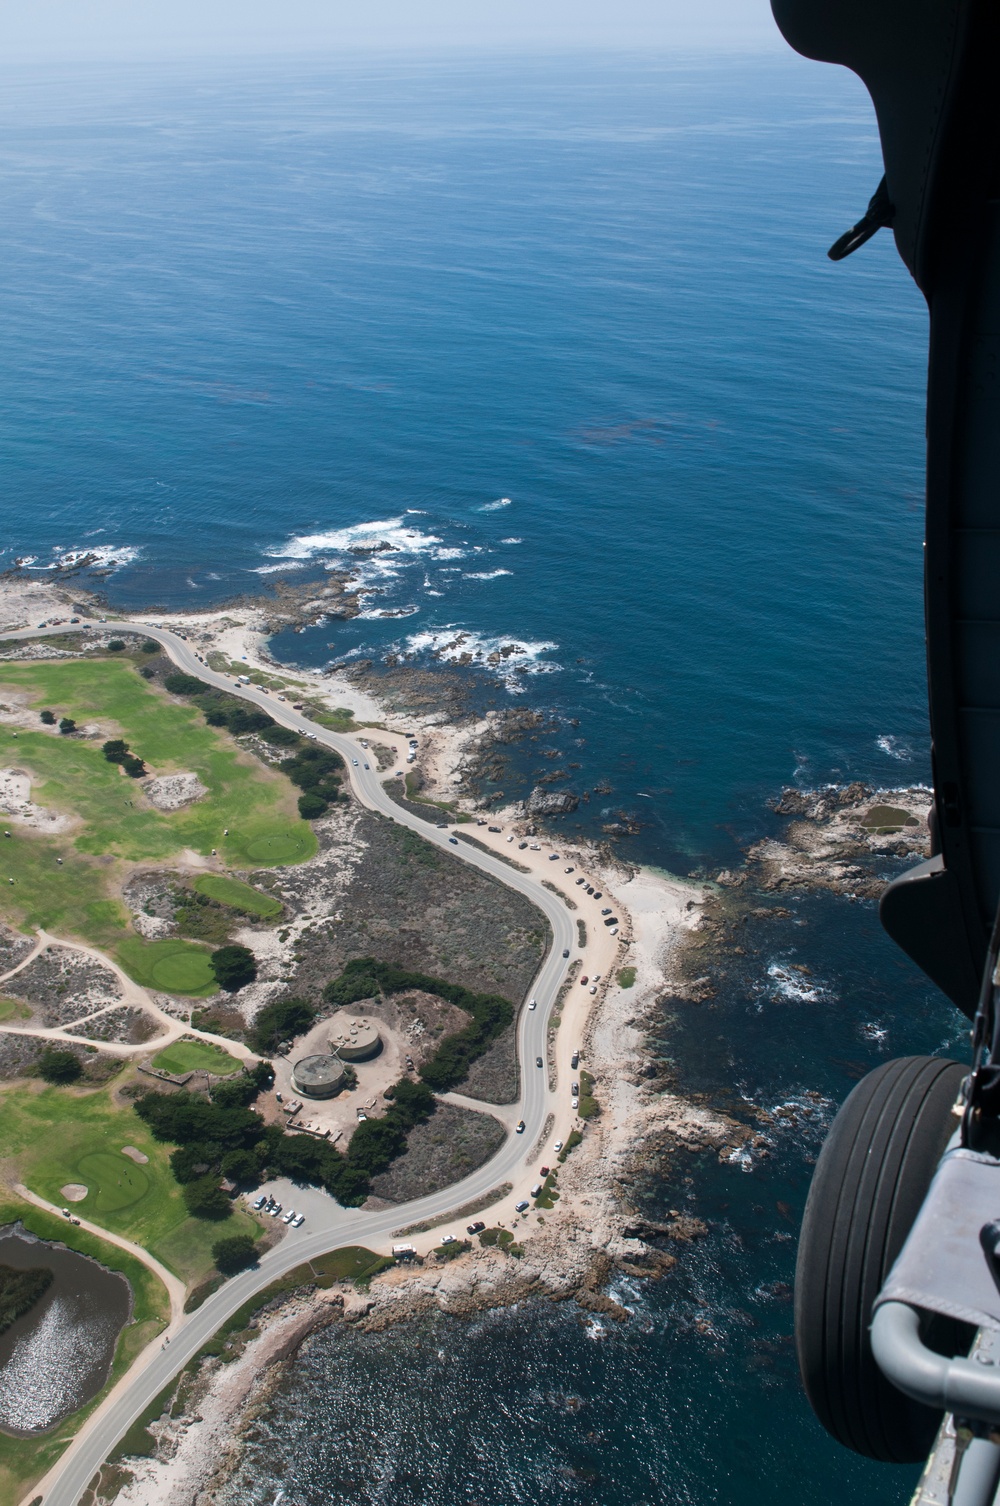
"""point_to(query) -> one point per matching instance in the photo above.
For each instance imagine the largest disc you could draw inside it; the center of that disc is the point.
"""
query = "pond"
(58, 1354)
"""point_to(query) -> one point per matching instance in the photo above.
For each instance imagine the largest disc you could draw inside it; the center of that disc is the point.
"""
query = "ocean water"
(562, 332)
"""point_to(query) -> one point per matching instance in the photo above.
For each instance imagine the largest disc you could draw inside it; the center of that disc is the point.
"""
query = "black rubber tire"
(870, 1180)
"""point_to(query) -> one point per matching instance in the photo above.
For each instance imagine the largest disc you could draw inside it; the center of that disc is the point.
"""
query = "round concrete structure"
(355, 1040)
(318, 1076)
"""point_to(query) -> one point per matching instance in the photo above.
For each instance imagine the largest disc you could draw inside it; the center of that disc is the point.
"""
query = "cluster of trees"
(280, 1022)
(116, 750)
(221, 1136)
(66, 725)
(233, 966)
(491, 1013)
(316, 771)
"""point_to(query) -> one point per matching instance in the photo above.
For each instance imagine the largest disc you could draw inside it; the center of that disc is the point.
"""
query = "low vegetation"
(573, 1139)
(280, 1022)
(626, 977)
(589, 1106)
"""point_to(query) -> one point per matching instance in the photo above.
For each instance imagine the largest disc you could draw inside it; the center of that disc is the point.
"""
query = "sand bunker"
(17, 805)
(134, 1155)
(170, 791)
(74, 1192)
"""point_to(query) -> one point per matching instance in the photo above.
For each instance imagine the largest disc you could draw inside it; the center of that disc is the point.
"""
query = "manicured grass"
(196, 1056)
(114, 821)
(230, 891)
(24, 1460)
(60, 1135)
(176, 966)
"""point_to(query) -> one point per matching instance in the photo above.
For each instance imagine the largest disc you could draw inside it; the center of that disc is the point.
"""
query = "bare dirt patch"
(64, 985)
(17, 805)
(74, 1192)
(134, 1155)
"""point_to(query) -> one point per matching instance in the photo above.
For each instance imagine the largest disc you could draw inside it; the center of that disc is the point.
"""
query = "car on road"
(565, 951)
(557, 1146)
(476, 1228)
(298, 1220)
(367, 765)
(354, 761)
(522, 1206)
(520, 1127)
(453, 839)
(447, 1239)
(538, 1061)
(533, 1004)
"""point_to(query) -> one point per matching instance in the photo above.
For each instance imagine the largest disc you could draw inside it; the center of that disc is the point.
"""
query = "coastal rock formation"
(542, 802)
(834, 831)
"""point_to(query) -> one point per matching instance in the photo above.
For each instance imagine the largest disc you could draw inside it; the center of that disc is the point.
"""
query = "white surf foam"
(896, 748)
(512, 541)
(789, 983)
(485, 574)
(98, 556)
(494, 506)
(393, 541)
(510, 659)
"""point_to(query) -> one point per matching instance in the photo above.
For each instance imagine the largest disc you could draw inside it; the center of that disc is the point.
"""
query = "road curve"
(333, 1226)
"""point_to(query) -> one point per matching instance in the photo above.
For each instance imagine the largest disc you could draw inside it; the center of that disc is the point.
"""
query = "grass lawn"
(230, 891)
(255, 804)
(60, 1135)
(196, 1056)
(174, 965)
(24, 1460)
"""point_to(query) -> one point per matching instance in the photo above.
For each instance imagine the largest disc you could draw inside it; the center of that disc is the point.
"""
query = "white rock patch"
(170, 791)
(16, 802)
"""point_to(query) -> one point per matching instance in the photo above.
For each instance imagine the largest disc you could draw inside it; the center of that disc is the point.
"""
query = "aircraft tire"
(870, 1180)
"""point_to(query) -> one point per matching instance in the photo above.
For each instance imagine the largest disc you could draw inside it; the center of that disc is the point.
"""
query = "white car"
(593, 988)
(533, 1004)
(288, 1216)
(298, 1220)
(557, 1146)
(575, 1104)
(354, 761)
(447, 1239)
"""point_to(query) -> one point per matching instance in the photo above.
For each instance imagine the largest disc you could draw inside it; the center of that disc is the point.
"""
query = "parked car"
(447, 1239)
(558, 1145)
(476, 1228)
(258, 1205)
(522, 1206)
(536, 1191)
(574, 1060)
(298, 1220)
(543, 1171)
(606, 910)
(494, 828)
(520, 1127)
(598, 894)
(575, 1090)
(568, 870)
(574, 1104)
(362, 1117)
(521, 846)
(288, 1216)
(585, 979)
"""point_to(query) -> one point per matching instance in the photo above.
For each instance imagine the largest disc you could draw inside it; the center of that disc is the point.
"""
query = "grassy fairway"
(24, 1460)
(60, 1135)
(196, 1056)
(176, 966)
(115, 821)
(230, 891)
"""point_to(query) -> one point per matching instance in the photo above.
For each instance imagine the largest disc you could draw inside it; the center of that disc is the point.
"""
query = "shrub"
(146, 672)
(67, 725)
(115, 646)
(281, 737)
(149, 647)
(242, 718)
(234, 1253)
(311, 807)
(215, 716)
(573, 1140)
(59, 1066)
(280, 1022)
(626, 977)
(181, 684)
(48, 717)
(115, 749)
(589, 1106)
(233, 966)
(204, 1198)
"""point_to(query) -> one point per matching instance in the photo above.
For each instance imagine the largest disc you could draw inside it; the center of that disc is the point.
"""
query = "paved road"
(329, 1225)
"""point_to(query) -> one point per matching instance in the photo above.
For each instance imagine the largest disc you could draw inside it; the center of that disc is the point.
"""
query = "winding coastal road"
(329, 1226)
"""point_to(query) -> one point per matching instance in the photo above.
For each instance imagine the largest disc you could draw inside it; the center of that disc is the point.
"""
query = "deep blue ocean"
(563, 332)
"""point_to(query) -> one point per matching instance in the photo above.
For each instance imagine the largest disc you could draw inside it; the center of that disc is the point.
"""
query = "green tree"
(59, 1066)
(234, 1253)
(134, 767)
(48, 717)
(149, 647)
(281, 737)
(115, 749)
(311, 807)
(204, 1198)
(146, 672)
(234, 967)
(279, 1022)
(241, 1166)
(116, 645)
(67, 725)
